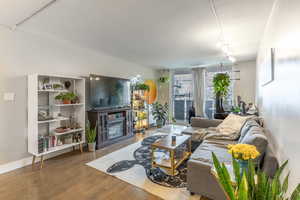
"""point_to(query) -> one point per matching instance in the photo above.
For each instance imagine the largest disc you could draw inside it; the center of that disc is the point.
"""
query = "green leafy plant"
(57, 86)
(252, 184)
(90, 133)
(66, 96)
(160, 113)
(221, 82)
(236, 109)
(163, 79)
(142, 86)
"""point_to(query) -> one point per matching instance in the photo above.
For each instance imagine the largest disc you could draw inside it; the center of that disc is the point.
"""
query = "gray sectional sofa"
(199, 177)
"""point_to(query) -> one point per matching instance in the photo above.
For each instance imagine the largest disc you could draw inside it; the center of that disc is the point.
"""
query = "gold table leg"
(152, 156)
(33, 160)
(42, 162)
(172, 163)
(80, 147)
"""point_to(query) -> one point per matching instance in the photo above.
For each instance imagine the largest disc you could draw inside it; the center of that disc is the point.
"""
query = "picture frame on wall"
(269, 66)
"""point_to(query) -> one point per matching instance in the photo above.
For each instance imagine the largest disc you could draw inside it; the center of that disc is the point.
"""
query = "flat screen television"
(109, 92)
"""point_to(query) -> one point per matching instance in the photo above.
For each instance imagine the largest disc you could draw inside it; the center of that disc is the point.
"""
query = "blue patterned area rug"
(133, 165)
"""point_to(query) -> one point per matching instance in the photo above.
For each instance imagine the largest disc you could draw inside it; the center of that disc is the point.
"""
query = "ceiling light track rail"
(223, 44)
(47, 5)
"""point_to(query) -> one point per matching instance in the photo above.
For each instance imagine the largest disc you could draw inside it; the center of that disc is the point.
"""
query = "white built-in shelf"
(53, 91)
(58, 148)
(53, 120)
(68, 132)
(74, 104)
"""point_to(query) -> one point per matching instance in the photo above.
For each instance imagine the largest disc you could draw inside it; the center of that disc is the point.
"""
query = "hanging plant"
(221, 82)
(163, 79)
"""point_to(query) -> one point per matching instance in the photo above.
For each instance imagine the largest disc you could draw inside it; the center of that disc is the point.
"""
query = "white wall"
(279, 101)
(25, 53)
(246, 86)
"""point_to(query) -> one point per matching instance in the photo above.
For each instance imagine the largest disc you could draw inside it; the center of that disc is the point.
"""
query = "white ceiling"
(155, 33)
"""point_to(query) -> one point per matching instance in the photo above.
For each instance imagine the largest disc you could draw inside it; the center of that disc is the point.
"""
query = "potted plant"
(66, 97)
(221, 82)
(91, 136)
(163, 79)
(252, 184)
(142, 86)
(160, 113)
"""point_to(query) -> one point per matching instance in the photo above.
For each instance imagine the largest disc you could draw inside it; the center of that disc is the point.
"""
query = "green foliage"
(163, 79)
(252, 184)
(160, 112)
(66, 96)
(221, 82)
(90, 132)
(141, 86)
(236, 109)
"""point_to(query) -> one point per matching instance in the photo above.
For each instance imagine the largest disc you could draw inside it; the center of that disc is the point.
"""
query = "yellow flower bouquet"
(243, 151)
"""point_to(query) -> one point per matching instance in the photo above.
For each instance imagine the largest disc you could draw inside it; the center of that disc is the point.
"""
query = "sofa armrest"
(201, 181)
(270, 163)
(204, 123)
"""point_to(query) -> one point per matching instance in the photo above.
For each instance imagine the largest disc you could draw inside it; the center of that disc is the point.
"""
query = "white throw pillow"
(232, 124)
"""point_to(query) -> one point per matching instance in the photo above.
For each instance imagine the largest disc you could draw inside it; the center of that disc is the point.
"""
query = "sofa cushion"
(232, 124)
(189, 130)
(255, 136)
(248, 124)
(204, 153)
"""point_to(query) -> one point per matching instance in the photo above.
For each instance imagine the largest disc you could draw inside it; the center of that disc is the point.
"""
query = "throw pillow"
(232, 124)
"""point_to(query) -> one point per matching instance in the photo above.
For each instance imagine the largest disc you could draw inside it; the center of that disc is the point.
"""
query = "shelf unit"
(41, 100)
(140, 109)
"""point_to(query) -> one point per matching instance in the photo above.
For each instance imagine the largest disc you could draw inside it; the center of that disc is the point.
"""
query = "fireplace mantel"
(113, 125)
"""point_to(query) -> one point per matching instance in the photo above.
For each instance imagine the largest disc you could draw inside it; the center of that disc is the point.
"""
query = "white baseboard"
(26, 161)
(15, 165)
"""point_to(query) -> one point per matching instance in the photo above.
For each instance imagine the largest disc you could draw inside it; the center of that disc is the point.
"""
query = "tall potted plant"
(91, 136)
(160, 113)
(221, 82)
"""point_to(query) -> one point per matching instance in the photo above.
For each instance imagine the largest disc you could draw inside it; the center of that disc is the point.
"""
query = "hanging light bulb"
(232, 59)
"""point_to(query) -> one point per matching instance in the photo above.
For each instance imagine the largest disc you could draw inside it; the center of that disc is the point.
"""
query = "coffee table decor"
(158, 175)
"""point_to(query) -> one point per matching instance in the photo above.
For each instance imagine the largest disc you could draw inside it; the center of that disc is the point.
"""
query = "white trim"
(15, 165)
(7, 167)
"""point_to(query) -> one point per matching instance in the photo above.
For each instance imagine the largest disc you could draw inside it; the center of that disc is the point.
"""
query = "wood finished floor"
(67, 177)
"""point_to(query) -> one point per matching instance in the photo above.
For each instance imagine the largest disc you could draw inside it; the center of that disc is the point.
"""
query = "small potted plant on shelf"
(142, 86)
(160, 113)
(91, 136)
(67, 97)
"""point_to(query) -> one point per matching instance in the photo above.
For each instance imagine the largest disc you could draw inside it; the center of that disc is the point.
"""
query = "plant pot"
(66, 101)
(92, 146)
(159, 123)
(243, 166)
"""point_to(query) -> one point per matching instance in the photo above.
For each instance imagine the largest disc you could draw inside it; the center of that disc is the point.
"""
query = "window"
(182, 96)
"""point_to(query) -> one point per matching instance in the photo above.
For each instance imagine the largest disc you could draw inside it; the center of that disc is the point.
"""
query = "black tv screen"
(107, 92)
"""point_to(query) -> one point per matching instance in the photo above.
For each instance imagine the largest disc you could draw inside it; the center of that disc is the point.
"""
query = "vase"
(65, 101)
(243, 166)
(159, 123)
(92, 146)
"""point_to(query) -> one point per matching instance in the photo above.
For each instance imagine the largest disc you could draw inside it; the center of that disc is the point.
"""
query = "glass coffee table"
(169, 155)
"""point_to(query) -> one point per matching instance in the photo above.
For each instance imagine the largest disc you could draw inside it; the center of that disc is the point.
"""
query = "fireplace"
(112, 125)
(115, 129)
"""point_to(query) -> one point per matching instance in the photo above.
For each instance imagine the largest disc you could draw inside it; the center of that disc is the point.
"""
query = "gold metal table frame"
(166, 144)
